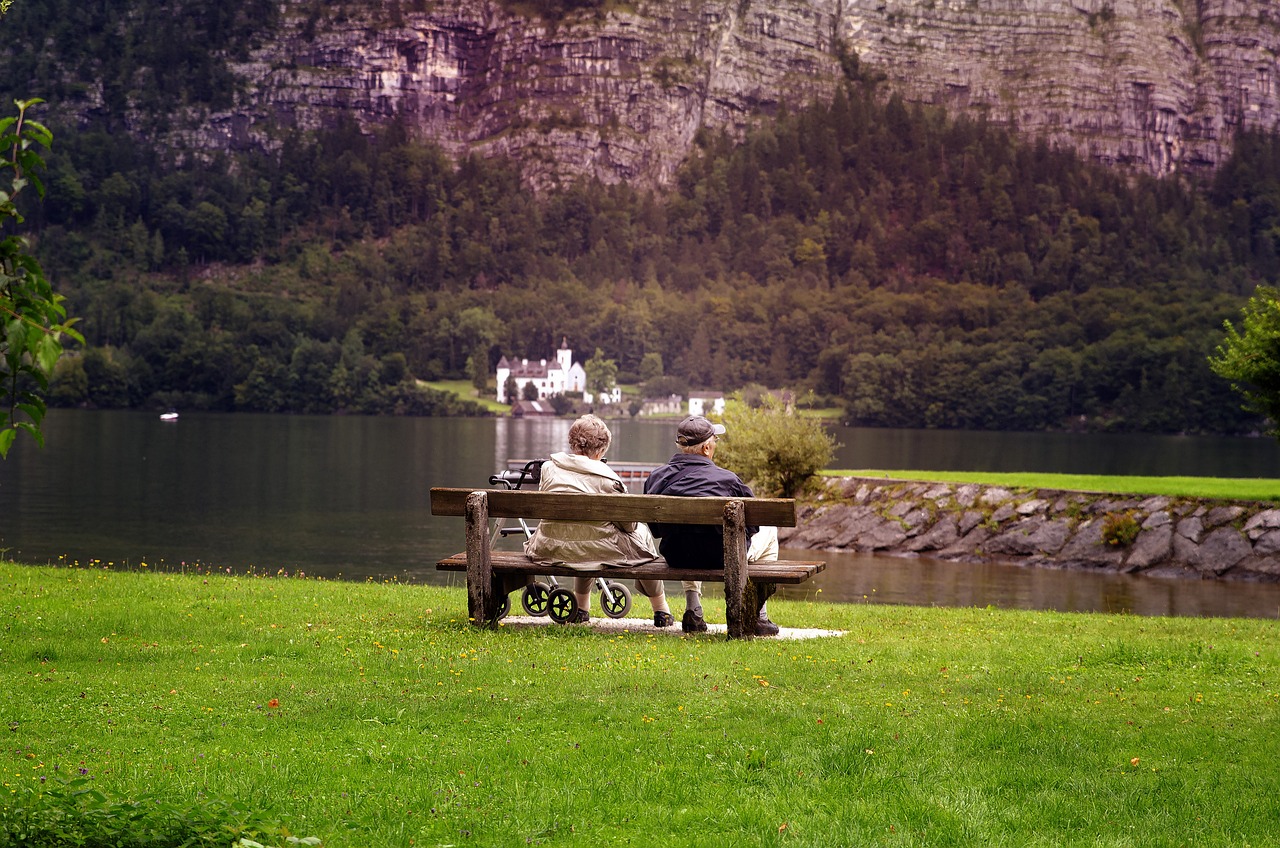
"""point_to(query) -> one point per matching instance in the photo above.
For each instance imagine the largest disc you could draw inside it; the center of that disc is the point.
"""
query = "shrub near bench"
(747, 585)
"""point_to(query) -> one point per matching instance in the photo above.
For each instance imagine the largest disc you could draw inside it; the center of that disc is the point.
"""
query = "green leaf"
(6, 441)
(32, 429)
(34, 411)
(15, 333)
(39, 132)
(48, 352)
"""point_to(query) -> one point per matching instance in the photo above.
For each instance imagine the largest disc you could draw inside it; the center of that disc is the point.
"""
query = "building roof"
(525, 368)
(531, 408)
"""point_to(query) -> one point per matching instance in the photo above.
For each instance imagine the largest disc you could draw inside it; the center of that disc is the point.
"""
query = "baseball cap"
(695, 430)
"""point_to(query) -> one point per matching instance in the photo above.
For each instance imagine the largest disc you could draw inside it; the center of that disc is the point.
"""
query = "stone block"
(1032, 507)
(1257, 567)
(968, 545)
(996, 495)
(1222, 549)
(1262, 523)
(1220, 515)
(901, 508)
(944, 533)
(970, 520)
(1086, 548)
(884, 536)
(916, 519)
(1191, 529)
(857, 521)
(1186, 551)
(1031, 536)
(1158, 519)
(1153, 546)
(1267, 544)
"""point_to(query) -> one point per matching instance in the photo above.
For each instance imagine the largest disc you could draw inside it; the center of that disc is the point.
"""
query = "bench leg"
(738, 590)
(482, 601)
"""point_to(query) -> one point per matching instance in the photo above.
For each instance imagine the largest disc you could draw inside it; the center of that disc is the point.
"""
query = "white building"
(552, 378)
(706, 403)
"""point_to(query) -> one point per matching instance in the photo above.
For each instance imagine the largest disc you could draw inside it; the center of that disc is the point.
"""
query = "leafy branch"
(32, 318)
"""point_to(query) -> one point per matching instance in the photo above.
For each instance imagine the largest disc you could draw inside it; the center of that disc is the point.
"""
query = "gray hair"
(589, 435)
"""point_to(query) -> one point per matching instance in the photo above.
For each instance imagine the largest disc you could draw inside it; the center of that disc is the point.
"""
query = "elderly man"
(692, 473)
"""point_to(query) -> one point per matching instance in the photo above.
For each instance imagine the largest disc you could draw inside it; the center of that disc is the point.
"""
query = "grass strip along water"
(206, 708)
(1228, 488)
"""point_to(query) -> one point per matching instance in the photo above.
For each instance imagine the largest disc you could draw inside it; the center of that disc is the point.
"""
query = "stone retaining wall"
(1193, 537)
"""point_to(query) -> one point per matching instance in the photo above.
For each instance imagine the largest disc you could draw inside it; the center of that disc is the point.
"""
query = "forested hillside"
(917, 270)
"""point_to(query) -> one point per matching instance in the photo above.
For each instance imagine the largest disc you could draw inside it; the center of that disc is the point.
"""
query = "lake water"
(348, 497)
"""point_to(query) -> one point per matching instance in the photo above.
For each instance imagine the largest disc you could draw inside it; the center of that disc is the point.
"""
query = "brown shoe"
(663, 619)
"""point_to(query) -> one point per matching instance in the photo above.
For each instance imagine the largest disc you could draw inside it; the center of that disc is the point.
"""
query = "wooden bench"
(747, 585)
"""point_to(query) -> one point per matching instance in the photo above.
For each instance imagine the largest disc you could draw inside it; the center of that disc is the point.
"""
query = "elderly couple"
(691, 473)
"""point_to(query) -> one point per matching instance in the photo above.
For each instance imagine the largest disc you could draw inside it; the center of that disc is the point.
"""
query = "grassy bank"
(1247, 489)
(375, 715)
(466, 391)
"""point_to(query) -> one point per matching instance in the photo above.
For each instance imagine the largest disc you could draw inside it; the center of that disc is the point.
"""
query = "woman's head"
(589, 437)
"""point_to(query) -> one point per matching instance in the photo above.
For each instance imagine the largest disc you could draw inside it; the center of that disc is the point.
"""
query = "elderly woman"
(584, 545)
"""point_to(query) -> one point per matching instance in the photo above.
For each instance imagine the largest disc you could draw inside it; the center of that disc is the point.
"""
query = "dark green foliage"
(154, 55)
(1250, 356)
(777, 451)
(922, 271)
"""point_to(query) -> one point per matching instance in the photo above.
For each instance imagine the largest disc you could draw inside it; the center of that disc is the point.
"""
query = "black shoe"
(693, 622)
(578, 616)
(765, 627)
(663, 619)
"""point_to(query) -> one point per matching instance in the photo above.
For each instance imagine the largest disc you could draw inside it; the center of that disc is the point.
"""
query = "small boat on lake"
(171, 415)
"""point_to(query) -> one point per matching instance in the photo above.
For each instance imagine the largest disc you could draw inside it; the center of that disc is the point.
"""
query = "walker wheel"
(536, 599)
(619, 604)
(560, 605)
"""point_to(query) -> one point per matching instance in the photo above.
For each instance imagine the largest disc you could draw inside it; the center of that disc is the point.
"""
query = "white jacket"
(587, 545)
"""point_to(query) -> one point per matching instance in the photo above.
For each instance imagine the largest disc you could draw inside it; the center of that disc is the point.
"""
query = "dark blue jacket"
(693, 475)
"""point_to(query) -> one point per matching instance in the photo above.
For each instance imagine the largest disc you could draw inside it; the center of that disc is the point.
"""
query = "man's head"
(698, 435)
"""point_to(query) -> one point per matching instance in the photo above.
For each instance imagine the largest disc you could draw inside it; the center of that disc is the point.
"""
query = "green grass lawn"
(466, 391)
(376, 715)
(1249, 489)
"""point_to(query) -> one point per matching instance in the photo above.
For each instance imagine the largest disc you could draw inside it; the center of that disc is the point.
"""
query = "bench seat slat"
(777, 512)
(780, 571)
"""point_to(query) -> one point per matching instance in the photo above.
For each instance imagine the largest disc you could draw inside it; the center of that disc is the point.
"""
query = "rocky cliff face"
(1158, 85)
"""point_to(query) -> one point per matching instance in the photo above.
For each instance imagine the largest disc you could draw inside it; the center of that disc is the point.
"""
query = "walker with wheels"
(547, 597)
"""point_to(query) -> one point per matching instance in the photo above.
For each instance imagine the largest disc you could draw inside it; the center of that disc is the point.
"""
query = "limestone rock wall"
(618, 96)
(1156, 85)
(1160, 85)
(1060, 529)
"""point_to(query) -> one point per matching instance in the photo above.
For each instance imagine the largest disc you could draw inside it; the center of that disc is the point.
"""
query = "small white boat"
(171, 415)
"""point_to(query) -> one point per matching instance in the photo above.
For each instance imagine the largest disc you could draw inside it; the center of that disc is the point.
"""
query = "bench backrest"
(666, 509)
